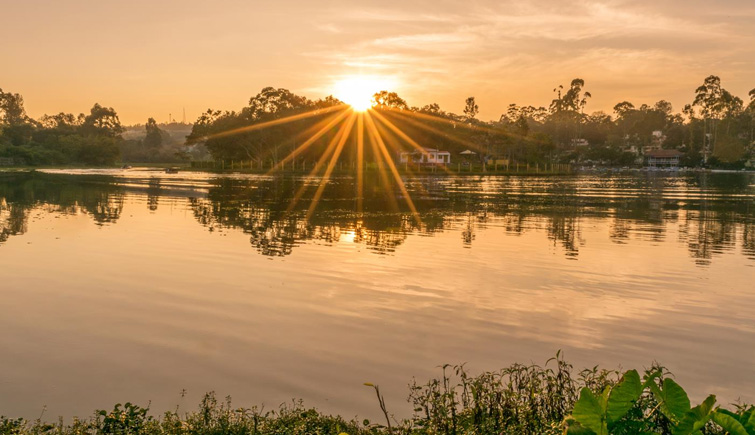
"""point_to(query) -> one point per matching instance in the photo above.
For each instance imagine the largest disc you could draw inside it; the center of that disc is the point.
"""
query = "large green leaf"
(695, 418)
(623, 396)
(745, 418)
(730, 423)
(748, 420)
(672, 398)
(589, 412)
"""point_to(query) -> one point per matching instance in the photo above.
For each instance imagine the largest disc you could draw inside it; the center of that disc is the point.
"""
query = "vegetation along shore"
(280, 129)
(519, 399)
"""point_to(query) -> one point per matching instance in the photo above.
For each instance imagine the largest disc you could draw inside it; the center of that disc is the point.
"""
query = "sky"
(152, 59)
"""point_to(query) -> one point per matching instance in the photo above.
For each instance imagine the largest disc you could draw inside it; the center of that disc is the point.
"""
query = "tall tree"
(154, 137)
(567, 111)
(12, 112)
(102, 121)
(715, 104)
(471, 109)
(751, 109)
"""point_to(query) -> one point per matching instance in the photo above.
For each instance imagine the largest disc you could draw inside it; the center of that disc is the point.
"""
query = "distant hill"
(176, 131)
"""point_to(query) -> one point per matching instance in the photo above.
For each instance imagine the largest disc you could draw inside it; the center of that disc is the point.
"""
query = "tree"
(558, 104)
(751, 109)
(623, 108)
(715, 103)
(12, 111)
(390, 100)
(664, 106)
(62, 121)
(567, 111)
(329, 101)
(471, 109)
(102, 121)
(17, 128)
(432, 109)
(230, 136)
(729, 149)
(154, 137)
(573, 99)
(273, 103)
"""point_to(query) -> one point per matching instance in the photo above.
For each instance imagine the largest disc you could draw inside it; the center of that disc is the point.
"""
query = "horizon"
(151, 60)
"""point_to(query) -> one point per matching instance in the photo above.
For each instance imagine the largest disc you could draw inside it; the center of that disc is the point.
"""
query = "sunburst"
(357, 91)
(359, 116)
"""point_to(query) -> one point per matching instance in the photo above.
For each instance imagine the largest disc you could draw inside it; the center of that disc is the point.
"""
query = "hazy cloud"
(441, 51)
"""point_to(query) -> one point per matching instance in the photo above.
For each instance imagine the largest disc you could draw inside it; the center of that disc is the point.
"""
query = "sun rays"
(358, 91)
(360, 128)
(358, 124)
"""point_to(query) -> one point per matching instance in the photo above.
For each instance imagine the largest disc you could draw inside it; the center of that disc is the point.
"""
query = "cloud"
(328, 28)
(624, 44)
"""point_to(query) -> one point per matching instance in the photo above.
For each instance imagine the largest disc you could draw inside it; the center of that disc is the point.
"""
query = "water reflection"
(710, 214)
(206, 283)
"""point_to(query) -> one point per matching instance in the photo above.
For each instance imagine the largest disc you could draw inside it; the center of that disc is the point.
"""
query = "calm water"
(119, 286)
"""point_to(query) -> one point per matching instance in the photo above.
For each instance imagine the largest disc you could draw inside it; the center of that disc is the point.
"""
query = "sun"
(357, 91)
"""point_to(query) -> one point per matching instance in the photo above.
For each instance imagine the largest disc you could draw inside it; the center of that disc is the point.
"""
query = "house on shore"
(663, 158)
(579, 143)
(428, 156)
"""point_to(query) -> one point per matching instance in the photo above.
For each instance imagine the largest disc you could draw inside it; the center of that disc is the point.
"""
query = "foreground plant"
(520, 399)
(610, 412)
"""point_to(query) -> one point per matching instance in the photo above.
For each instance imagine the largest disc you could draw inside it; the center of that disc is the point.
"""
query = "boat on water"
(172, 170)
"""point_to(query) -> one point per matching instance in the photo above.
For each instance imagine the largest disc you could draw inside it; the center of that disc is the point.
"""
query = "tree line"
(90, 139)
(93, 139)
(716, 128)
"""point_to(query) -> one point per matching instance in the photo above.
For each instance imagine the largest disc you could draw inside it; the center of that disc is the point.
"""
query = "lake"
(135, 285)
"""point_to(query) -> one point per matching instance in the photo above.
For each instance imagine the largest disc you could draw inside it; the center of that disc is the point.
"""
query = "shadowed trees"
(64, 138)
(228, 136)
(471, 109)
(385, 99)
(154, 136)
(718, 109)
(717, 127)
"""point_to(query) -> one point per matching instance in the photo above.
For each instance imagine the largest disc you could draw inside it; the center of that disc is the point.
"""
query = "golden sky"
(147, 58)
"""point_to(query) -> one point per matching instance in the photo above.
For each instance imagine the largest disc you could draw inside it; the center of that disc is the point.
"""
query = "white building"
(426, 156)
(663, 158)
(579, 143)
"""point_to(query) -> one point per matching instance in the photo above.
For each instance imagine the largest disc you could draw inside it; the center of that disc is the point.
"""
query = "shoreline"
(548, 399)
(374, 170)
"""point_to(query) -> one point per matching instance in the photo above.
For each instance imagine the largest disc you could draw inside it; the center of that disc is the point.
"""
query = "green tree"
(154, 137)
(102, 121)
(12, 112)
(715, 104)
(15, 127)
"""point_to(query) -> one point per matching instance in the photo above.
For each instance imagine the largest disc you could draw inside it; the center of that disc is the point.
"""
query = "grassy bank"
(520, 399)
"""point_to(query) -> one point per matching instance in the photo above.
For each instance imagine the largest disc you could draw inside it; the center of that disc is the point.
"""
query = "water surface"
(134, 285)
